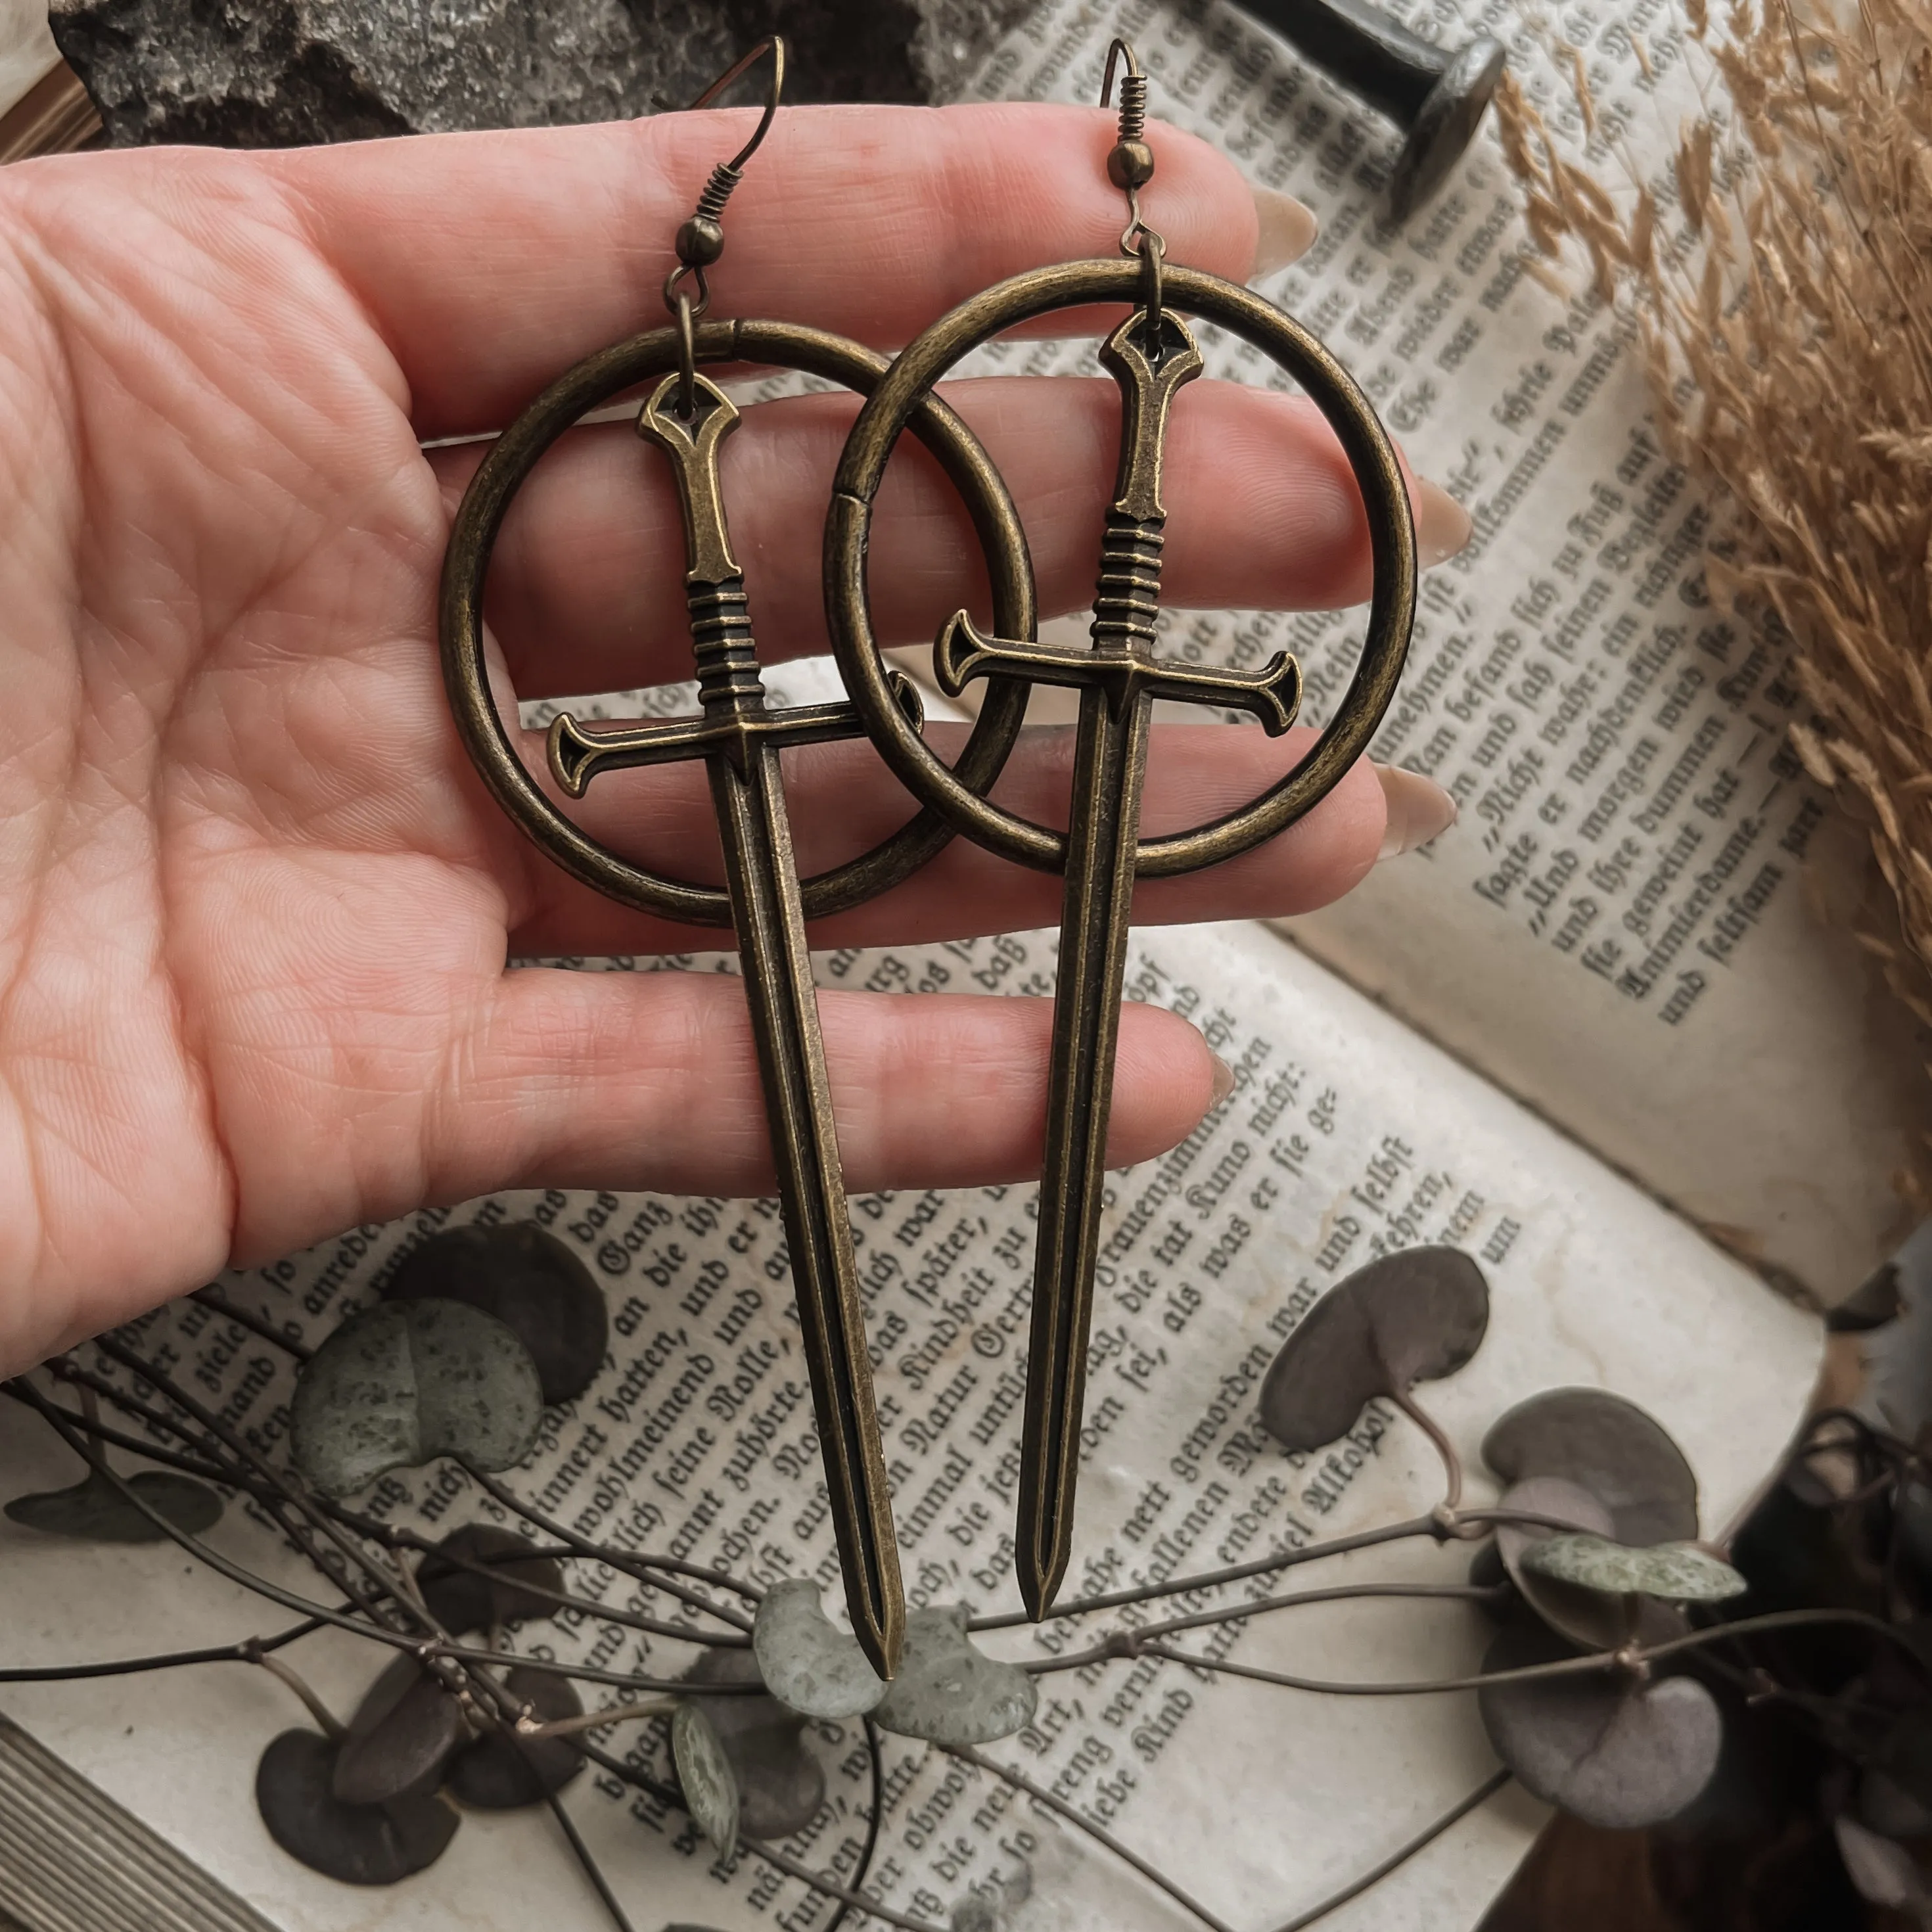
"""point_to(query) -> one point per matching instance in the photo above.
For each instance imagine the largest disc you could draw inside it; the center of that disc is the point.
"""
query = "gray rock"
(274, 74)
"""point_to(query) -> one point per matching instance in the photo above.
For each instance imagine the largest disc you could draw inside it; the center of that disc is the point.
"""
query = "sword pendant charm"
(739, 739)
(1118, 678)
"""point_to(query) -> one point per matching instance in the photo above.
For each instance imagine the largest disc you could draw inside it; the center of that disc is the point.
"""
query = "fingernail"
(1442, 526)
(1224, 1082)
(1418, 809)
(1285, 229)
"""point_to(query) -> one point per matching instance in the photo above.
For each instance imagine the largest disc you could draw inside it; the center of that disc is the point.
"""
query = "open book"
(1600, 1025)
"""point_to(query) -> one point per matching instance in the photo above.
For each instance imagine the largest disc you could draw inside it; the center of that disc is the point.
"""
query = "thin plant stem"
(873, 1820)
(592, 1870)
(665, 1794)
(392, 1536)
(596, 1720)
(1059, 1807)
(1426, 1837)
(244, 1652)
(1129, 1642)
(193, 1545)
(1628, 1657)
(1566, 1667)
(638, 1567)
(169, 1458)
(631, 1619)
(384, 1579)
(1452, 1463)
(427, 1649)
(1208, 1580)
(256, 1324)
(332, 1726)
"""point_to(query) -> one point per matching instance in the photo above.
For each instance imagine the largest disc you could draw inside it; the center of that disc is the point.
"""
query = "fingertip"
(1201, 202)
(1359, 827)
(1166, 1080)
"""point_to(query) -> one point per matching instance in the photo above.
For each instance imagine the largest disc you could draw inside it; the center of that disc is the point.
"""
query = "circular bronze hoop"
(1391, 531)
(502, 473)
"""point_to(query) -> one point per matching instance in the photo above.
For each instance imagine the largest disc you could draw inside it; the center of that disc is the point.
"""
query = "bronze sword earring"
(1151, 355)
(739, 737)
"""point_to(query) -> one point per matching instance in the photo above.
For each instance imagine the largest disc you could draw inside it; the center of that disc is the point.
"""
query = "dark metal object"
(739, 737)
(1150, 356)
(1438, 96)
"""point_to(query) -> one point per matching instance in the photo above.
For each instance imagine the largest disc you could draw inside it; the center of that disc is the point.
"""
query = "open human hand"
(255, 906)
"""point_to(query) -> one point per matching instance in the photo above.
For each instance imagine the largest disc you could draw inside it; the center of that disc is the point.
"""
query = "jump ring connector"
(673, 288)
(687, 347)
(1152, 252)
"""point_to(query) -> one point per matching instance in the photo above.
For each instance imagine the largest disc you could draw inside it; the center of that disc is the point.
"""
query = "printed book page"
(1346, 1138)
(1623, 928)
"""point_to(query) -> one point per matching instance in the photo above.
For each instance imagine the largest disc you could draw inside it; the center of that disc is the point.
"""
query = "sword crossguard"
(577, 756)
(962, 652)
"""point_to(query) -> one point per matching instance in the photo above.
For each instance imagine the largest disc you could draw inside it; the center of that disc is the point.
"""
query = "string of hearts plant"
(1612, 1622)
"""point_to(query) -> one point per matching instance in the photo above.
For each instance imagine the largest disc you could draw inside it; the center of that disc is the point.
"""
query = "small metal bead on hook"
(701, 239)
(1130, 167)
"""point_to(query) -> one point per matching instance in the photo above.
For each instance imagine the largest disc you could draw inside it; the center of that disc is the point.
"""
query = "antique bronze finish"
(1151, 355)
(739, 737)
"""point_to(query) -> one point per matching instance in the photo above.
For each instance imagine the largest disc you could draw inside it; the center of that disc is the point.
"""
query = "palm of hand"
(255, 909)
(229, 771)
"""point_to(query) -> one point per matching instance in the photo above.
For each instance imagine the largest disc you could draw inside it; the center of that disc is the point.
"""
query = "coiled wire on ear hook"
(701, 241)
(1130, 167)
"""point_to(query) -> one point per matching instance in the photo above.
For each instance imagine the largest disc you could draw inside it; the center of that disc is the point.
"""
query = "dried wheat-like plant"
(1785, 306)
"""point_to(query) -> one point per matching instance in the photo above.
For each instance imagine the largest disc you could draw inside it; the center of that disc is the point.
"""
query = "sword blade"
(759, 864)
(1110, 762)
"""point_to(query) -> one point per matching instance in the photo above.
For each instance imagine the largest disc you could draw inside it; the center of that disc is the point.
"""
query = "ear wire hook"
(701, 241)
(775, 47)
(1130, 167)
(1117, 48)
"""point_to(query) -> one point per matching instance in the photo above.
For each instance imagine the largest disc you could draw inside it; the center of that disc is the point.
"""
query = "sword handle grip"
(1126, 600)
(721, 641)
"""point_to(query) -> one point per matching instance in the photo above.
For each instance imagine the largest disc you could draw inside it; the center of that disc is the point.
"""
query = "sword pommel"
(692, 447)
(1148, 374)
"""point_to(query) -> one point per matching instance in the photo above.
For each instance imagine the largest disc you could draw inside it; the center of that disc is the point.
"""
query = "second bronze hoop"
(894, 407)
(597, 379)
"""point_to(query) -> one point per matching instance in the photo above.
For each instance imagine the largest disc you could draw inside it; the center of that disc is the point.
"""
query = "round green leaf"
(1623, 1456)
(1679, 1572)
(780, 1784)
(404, 1733)
(537, 1285)
(1407, 1317)
(950, 1693)
(499, 1772)
(710, 1791)
(1617, 1753)
(806, 1660)
(95, 1510)
(461, 1600)
(356, 1844)
(407, 1381)
(1588, 1619)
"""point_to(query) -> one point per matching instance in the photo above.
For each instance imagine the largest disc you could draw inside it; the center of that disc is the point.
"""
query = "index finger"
(489, 262)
